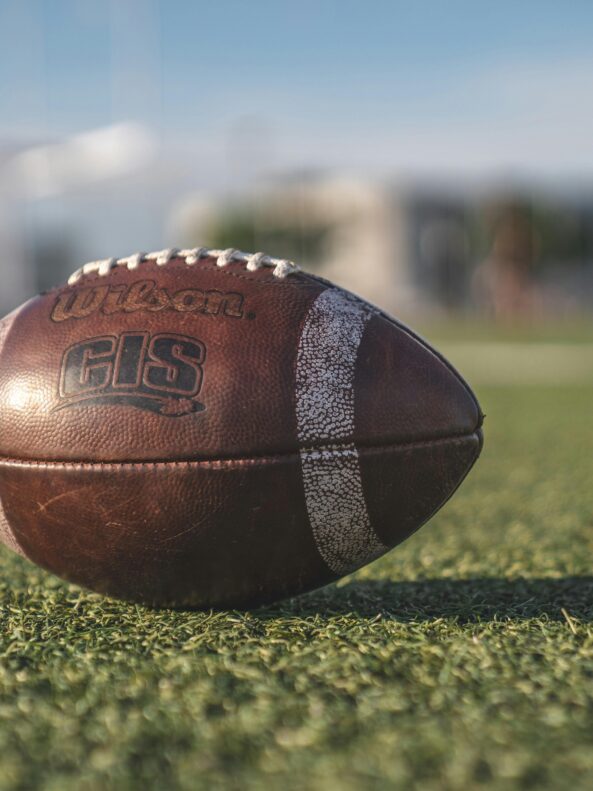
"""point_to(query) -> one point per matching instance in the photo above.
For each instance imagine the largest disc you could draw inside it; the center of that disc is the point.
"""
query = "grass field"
(463, 659)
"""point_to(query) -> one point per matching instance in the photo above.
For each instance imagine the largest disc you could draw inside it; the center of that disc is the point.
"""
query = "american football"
(210, 428)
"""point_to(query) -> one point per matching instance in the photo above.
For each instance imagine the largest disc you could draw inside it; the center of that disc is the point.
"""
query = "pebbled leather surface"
(6, 534)
(248, 381)
(414, 394)
(140, 531)
(150, 446)
(403, 391)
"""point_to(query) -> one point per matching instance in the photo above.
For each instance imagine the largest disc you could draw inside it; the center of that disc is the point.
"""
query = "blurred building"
(409, 248)
(349, 231)
(416, 249)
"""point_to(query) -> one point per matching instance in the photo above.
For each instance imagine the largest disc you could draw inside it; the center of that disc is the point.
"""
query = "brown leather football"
(215, 429)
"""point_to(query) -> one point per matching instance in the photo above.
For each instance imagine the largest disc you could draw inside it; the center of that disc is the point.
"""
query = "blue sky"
(378, 86)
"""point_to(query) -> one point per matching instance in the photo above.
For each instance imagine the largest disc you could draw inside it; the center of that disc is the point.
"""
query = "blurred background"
(437, 158)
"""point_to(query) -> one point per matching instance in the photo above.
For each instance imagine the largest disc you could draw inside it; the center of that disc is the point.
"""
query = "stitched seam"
(251, 461)
(253, 261)
(296, 281)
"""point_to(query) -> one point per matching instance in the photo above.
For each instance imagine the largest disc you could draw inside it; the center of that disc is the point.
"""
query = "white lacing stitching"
(254, 261)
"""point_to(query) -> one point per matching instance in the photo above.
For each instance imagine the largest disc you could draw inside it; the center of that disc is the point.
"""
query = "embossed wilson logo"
(144, 295)
(162, 373)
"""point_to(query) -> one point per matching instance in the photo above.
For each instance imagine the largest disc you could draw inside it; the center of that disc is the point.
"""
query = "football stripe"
(6, 535)
(326, 362)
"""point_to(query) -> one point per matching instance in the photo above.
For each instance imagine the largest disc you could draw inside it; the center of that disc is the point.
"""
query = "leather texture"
(6, 535)
(162, 441)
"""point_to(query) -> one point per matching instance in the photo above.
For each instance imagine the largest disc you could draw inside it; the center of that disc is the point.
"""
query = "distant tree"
(285, 238)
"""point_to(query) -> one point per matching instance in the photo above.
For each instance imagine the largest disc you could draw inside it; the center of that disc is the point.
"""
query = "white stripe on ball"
(326, 361)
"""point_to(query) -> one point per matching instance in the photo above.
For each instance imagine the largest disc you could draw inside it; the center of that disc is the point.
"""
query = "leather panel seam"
(229, 463)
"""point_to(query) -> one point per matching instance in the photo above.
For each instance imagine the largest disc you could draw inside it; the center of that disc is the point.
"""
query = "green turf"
(573, 329)
(464, 659)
